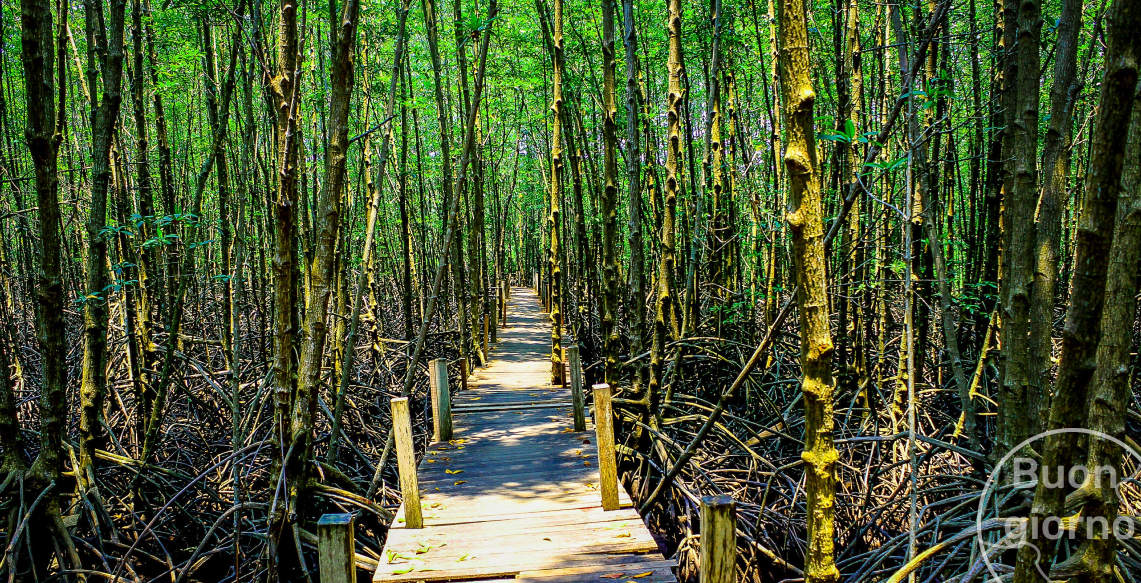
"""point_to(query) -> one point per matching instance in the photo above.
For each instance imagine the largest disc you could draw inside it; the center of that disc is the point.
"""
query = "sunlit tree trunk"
(554, 268)
(805, 221)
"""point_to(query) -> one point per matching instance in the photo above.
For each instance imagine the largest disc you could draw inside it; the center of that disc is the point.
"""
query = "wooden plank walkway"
(515, 495)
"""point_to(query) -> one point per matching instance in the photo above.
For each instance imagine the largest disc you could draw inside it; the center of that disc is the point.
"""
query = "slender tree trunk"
(554, 219)
(105, 118)
(1055, 166)
(805, 222)
(665, 317)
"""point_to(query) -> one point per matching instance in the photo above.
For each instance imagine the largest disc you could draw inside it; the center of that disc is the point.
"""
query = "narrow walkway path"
(515, 495)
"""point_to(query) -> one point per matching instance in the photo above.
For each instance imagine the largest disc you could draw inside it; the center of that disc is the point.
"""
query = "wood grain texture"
(335, 549)
(604, 431)
(406, 460)
(515, 494)
(718, 540)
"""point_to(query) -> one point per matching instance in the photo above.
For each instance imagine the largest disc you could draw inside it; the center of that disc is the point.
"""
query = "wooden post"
(718, 540)
(406, 463)
(463, 373)
(335, 548)
(575, 364)
(604, 433)
(495, 311)
(441, 400)
(486, 322)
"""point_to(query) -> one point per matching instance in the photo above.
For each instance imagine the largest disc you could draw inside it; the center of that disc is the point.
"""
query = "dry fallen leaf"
(453, 471)
(547, 538)
(586, 463)
(613, 575)
(622, 535)
(640, 575)
(458, 482)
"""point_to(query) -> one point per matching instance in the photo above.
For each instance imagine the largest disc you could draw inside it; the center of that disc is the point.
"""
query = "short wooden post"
(575, 364)
(406, 463)
(463, 373)
(718, 540)
(335, 548)
(604, 434)
(441, 400)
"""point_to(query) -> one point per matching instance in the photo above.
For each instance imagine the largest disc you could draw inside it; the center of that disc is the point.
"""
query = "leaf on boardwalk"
(640, 575)
(622, 535)
(453, 471)
(613, 575)
(586, 463)
(458, 482)
(476, 398)
(547, 538)
(567, 430)
(403, 570)
(430, 460)
(446, 459)
(466, 557)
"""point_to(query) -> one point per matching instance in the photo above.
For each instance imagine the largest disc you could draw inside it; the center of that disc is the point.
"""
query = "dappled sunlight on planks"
(516, 493)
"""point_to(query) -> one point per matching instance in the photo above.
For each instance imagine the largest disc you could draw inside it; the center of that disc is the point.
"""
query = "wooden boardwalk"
(515, 496)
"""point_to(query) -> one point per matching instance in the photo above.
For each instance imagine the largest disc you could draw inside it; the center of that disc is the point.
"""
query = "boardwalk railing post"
(335, 548)
(463, 373)
(575, 364)
(718, 540)
(441, 400)
(497, 307)
(604, 433)
(406, 463)
(486, 323)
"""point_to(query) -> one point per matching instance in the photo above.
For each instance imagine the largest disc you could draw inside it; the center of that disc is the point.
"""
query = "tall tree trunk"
(1055, 167)
(1094, 238)
(610, 337)
(105, 118)
(554, 218)
(327, 224)
(637, 275)
(805, 221)
(1021, 393)
(665, 316)
(1110, 389)
(43, 56)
